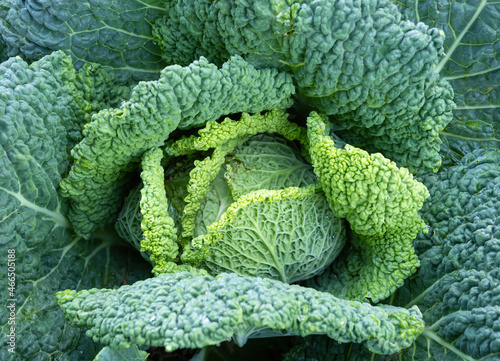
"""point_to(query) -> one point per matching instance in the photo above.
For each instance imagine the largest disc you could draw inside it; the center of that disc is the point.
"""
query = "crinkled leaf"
(116, 34)
(181, 310)
(471, 65)
(37, 110)
(381, 203)
(457, 286)
(289, 234)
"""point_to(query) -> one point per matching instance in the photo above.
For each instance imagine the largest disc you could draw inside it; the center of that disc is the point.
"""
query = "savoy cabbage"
(233, 224)
(299, 241)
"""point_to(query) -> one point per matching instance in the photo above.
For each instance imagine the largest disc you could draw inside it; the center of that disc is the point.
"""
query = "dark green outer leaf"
(36, 111)
(471, 65)
(113, 33)
(457, 287)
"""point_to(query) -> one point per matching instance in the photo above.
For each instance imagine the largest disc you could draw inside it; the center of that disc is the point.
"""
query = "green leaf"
(289, 234)
(457, 286)
(123, 354)
(182, 310)
(116, 34)
(36, 239)
(381, 203)
(3, 51)
(471, 65)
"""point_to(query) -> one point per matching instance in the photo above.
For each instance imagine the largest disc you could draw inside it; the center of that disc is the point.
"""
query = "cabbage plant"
(318, 176)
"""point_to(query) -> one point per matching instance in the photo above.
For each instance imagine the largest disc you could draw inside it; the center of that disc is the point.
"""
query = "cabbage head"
(262, 214)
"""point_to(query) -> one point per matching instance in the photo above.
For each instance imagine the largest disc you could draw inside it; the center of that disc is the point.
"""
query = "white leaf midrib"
(58, 218)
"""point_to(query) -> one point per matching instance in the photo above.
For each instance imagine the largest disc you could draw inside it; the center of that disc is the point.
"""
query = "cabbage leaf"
(471, 65)
(38, 104)
(116, 34)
